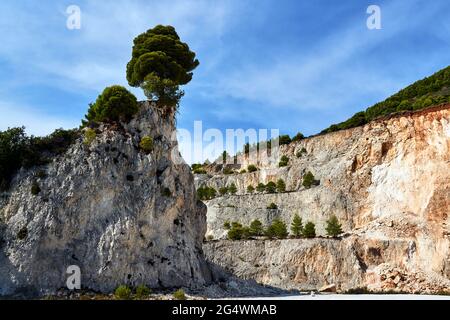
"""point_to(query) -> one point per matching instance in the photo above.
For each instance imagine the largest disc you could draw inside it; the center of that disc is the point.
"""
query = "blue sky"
(291, 65)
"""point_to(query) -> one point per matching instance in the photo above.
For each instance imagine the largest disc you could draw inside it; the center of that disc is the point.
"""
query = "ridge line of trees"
(277, 229)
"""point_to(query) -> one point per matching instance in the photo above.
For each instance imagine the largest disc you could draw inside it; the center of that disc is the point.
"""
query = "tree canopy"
(160, 63)
(19, 150)
(424, 93)
(333, 228)
(113, 104)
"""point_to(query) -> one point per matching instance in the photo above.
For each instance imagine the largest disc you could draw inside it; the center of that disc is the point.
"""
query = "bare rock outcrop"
(386, 181)
(121, 215)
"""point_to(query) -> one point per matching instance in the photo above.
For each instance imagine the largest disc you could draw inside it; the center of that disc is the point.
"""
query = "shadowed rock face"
(386, 181)
(106, 208)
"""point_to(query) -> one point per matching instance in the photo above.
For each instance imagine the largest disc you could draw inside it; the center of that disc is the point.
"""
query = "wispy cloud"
(330, 74)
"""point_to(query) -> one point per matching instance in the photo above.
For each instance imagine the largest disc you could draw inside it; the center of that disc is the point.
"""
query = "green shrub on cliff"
(89, 136)
(309, 231)
(277, 229)
(122, 293)
(271, 187)
(142, 291)
(146, 144)
(309, 180)
(301, 152)
(228, 170)
(223, 191)
(19, 150)
(256, 228)
(284, 139)
(283, 161)
(238, 232)
(200, 171)
(297, 226)
(179, 295)
(272, 206)
(261, 187)
(299, 136)
(206, 193)
(13, 148)
(333, 228)
(429, 91)
(281, 185)
(115, 103)
(232, 188)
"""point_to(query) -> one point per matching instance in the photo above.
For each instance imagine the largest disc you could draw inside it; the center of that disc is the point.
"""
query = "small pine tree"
(223, 191)
(256, 228)
(238, 232)
(250, 189)
(271, 187)
(284, 139)
(252, 168)
(309, 231)
(281, 186)
(308, 180)
(334, 228)
(114, 104)
(232, 189)
(297, 226)
(283, 161)
(299, 136)
(227, 225)
(277, 229)
(260, 187)
(224, 157)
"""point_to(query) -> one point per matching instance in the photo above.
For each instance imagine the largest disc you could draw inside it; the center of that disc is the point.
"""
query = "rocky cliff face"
(122, 216)
(388, 182)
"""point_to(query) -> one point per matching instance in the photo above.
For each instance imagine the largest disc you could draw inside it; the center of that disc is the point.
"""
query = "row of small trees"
(208, 193)
(270, 187)
(278, 229)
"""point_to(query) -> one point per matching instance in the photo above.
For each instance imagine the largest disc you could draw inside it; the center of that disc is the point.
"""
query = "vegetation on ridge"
(424, 93)
(18, 150)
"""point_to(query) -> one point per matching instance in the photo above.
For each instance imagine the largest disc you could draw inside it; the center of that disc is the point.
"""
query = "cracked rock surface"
(121, 215)
(388, 183)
